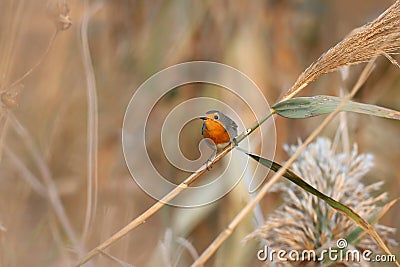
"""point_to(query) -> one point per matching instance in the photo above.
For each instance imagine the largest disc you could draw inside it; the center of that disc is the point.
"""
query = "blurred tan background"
(44, 135)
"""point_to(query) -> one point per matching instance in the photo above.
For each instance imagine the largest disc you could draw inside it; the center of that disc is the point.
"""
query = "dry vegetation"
(45, 117)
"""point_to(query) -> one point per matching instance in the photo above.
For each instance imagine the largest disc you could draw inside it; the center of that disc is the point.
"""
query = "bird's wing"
(233, 130)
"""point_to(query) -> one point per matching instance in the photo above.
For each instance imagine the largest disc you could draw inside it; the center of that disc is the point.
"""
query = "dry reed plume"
(303, 222)
(379, 37)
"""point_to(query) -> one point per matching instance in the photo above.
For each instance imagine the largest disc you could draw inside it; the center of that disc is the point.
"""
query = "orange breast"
(216, 132)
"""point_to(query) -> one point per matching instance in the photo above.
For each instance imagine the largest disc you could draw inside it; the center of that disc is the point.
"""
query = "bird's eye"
(216, 117)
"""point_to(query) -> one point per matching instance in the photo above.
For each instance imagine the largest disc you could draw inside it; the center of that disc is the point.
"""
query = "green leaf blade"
(306, 107)
(343, 209)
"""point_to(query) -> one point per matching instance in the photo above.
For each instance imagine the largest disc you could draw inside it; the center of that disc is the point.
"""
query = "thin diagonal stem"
(43, 56)
(51, 189)
(176, 191)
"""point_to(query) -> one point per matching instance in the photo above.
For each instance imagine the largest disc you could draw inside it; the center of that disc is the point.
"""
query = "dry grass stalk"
(153, 209)
(172, 249)
(379, 37)
(92, 125)
(47, 186)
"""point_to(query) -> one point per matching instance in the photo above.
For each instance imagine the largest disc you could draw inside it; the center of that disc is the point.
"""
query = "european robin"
(218, 127)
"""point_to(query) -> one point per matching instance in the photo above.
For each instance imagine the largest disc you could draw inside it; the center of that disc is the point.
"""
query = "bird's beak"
(203, 117)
